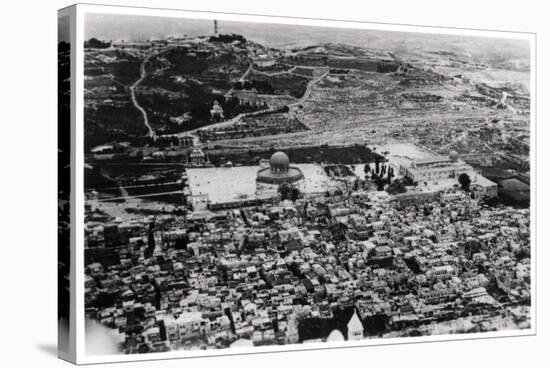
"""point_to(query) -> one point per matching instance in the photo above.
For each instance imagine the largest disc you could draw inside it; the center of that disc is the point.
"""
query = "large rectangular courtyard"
(228, 184)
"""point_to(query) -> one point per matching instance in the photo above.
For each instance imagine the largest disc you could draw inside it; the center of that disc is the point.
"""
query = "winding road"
(143, 74)
(237, 118)
(272, 74)
(308, 90)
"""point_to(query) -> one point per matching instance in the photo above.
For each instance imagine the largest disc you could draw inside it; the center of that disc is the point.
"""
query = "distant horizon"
(114, 27)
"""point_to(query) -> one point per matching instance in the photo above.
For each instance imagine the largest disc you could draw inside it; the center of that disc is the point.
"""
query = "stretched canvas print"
(234, 184)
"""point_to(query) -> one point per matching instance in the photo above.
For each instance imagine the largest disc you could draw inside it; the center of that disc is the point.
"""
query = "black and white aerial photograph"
(261, 184)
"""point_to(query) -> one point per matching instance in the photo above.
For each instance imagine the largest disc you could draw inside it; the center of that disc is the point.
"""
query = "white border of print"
(82, 9)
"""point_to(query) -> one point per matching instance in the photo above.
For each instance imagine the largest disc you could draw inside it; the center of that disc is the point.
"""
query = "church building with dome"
(279, 172)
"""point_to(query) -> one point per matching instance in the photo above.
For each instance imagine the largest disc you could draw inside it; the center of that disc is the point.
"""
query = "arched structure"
(335, 336)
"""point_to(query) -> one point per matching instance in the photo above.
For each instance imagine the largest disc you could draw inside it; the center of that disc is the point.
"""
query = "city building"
(355, 328)
(441, 172)
(264, 61)
(216, 112)
(434, 168)
(197, 157)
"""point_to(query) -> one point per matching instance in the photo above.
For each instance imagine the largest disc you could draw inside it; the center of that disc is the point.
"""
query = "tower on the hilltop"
(215, 27)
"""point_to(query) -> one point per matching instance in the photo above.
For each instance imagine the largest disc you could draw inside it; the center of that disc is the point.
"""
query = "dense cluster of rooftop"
(291, 272)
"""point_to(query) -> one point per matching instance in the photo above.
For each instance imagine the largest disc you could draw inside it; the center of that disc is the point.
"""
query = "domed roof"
(335, 335)
(279, 159)
(279, 171)
(453, 155)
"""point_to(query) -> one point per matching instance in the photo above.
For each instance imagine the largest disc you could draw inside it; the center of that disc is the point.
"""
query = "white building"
(197, 157)
(216, 111)
(435, 168)
(441, 172)
(190, 324)
(264, 61)
(355, 328)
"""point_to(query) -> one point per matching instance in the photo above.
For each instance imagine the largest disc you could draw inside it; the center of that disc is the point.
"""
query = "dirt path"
(143, 75)
(272, 74)
(308, 90)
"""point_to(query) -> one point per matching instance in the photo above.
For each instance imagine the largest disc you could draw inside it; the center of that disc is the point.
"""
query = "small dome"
(279, 159)
(279, 171)
(453, 155)
(335, 335)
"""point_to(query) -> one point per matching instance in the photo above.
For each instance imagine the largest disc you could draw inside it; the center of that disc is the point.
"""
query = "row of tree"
(94, 43)
(288, 192)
